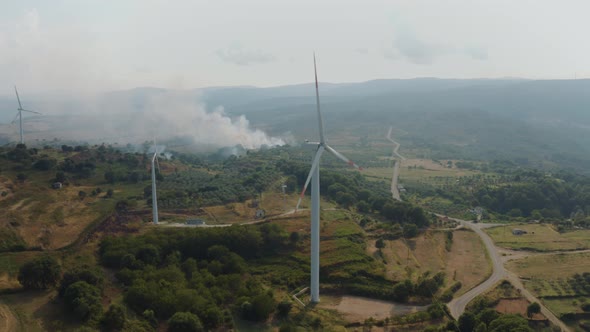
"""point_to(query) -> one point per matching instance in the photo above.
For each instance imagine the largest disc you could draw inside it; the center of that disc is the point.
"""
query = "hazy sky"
(91, 46)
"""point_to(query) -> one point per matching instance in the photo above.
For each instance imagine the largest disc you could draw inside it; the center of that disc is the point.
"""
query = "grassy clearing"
(539, 237)
(560, 306)
(466, 262)
(549, 268)
(550, 277)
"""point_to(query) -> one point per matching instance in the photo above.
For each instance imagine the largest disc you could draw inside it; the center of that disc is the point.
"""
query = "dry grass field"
(465, 262)
(358, 309)
(550, 278)
(539, 237)
(418, 169)
(548, 275)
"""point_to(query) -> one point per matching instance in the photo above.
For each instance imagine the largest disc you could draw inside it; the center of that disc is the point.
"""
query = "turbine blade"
(30, 111)
(317, 100)
(15, 117)
(314, 164)
(18, 98)
(157, 162)
(343, 158)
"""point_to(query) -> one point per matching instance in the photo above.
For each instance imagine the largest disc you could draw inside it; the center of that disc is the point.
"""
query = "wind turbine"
(314, 177)
(20, 115)
(154, 197)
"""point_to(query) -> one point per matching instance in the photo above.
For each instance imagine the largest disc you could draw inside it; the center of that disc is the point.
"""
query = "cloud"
(476, 53)
(236, 54)
(407, 45)
(361, 50)
(36, 55)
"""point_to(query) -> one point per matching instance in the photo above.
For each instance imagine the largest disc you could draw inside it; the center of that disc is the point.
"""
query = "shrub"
(41, 273)
(114, 319)
(184, 322)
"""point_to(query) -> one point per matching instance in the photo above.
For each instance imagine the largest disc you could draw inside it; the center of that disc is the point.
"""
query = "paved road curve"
(457, 305)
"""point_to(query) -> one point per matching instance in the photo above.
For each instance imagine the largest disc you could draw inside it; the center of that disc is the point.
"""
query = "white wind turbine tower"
(20, 116)
(154, 197)
(314, 177)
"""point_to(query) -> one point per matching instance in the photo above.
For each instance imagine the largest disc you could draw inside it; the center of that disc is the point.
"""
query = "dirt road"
(394, 190)
(457, 305)
(8, 322)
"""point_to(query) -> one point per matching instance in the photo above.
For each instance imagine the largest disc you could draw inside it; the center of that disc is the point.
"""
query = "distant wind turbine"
(154, 197)
(20, 116)
(314, 174)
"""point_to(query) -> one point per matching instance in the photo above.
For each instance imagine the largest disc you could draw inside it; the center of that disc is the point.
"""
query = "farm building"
(517, 231)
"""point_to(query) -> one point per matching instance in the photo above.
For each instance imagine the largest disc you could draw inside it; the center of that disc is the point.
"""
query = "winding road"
(499, 272)
(396, 166)
(457, 305)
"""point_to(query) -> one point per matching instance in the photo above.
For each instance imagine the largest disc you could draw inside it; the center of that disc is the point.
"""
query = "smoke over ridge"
(138, 115)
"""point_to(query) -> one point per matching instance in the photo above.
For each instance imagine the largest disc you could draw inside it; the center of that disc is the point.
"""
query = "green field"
(539, 237)
(557, 279)
(562, 266)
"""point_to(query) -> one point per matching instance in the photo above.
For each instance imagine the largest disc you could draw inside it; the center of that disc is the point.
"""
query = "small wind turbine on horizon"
(314, 177)
(20, 115)
(154, 197)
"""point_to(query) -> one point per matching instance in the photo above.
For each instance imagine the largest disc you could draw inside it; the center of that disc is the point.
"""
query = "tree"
(41, 273)
(294, 237)
(109, 193)
(345, 199)
(185, 322)
(114, 319)
(481, 327)
(487, 315)
(363, 207)
(83, 300)
(21, 177)
(380, 244)
(92, 276)
(60, 177)
(109, 176)
(510, 323)
(284, 308)
(466, 322)
(44, 164)
(82, 195)
(263, 305)
(410, 231)
(533, 308)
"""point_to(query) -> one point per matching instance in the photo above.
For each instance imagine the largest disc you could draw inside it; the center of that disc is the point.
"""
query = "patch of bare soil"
(357, 309)
(516, 306)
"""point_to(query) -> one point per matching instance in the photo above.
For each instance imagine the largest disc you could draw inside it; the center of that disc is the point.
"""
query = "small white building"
(260, 213)
(195, 222)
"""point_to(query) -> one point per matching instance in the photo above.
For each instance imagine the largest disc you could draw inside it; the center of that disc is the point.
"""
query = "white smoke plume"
(142, 114)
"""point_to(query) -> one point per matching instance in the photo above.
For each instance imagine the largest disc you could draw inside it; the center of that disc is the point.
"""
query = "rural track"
(8, 322)
(499, 272)
(396, 166)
